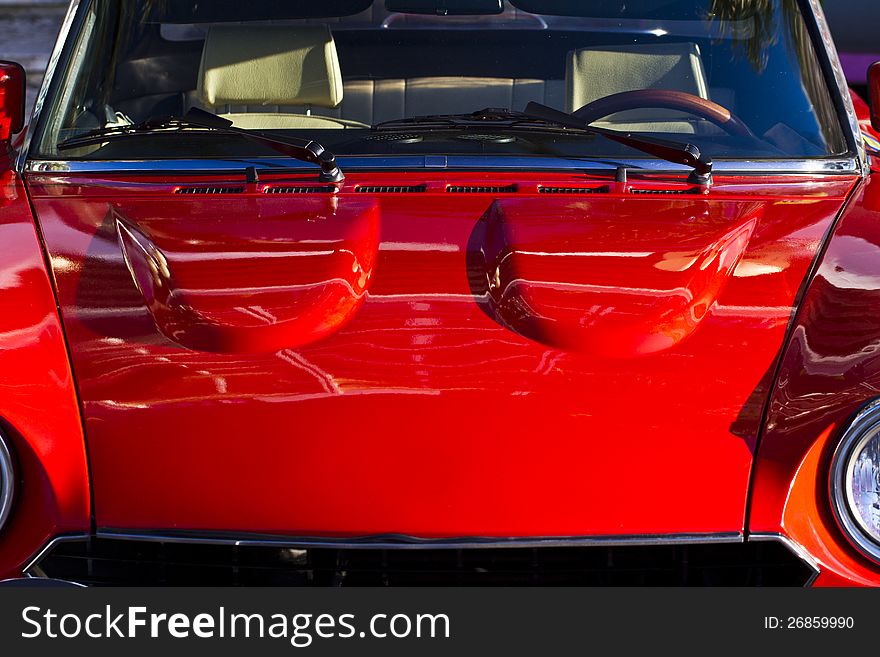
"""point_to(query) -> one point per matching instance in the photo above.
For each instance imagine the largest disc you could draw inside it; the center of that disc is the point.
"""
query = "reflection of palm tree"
(754, 27)
(751, 25)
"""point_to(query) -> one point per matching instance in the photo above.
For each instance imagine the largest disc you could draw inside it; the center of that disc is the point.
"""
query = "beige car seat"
(248, 75)
(594, 73)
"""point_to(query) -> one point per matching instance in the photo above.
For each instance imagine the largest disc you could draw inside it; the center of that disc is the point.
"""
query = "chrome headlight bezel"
(864, 427)
(7, 482)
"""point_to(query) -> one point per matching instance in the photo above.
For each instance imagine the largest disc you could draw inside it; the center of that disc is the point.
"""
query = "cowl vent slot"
(481, 189)
(648, 190)
(391, 189)
(209, 190)
(324, 189)
(573, 190)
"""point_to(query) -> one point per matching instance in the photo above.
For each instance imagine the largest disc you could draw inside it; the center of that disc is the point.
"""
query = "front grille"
(103, 561)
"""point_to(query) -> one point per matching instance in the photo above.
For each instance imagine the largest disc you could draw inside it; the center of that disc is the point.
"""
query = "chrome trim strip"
(832, 61)
(458, 162)
(864, 426)
(60, 42)
(409, 542)
(795, 548)
(7, 482)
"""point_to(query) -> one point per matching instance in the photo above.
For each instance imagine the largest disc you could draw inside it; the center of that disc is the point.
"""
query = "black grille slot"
(209, 190)
(302, 189)
(645, 190)
(573, 190)
(391, 189)
(481, 189)
(101, 561)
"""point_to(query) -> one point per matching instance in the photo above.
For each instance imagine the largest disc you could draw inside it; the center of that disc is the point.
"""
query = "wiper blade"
(490, 115)
(537, 114)
(196, 119)
(666, 149)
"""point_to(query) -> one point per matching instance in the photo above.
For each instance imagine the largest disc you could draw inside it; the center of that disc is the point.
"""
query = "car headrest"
(593, 73)
(270, 65)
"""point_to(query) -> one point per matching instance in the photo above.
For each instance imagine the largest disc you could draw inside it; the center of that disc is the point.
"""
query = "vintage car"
(340, 292)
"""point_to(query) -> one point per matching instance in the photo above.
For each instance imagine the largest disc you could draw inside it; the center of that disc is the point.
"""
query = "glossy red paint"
(459, 394)
(830, 368)
(38, 407)
(872, 136)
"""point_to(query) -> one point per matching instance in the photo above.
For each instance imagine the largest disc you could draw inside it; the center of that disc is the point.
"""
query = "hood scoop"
(229, 285)
(612, 279)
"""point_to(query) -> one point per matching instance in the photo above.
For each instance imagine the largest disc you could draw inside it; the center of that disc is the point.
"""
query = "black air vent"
(573, 190)
(391, 189)
(643, 190)
(209, 190)
(323, 189)
(477, 189)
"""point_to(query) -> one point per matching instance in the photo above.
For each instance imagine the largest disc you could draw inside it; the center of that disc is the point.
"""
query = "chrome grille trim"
(394, 542)
(795, 548)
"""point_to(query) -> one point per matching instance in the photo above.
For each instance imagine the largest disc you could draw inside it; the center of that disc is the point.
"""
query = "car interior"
(290, 77)
(303, 74)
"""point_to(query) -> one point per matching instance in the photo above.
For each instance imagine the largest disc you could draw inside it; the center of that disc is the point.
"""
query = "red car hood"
(466, 357)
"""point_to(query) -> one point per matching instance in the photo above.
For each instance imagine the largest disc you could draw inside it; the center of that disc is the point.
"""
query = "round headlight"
(7, 482)
(855, 481)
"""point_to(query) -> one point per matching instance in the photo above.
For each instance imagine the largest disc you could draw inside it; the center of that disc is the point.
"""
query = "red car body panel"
(431, 364)
(40, 416)
(829, 370)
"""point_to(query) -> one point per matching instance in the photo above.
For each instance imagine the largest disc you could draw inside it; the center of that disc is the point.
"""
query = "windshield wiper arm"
(299, 149)
(671, 151)
(666, 149)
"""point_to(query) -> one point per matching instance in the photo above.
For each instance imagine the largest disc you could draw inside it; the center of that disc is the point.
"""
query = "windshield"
(738, 78)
